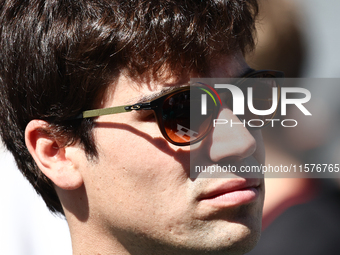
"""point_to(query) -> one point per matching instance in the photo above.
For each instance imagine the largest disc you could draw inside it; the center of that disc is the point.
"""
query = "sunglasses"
(179, 112)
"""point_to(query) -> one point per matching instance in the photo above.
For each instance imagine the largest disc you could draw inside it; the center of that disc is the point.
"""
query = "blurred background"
(301, 38)
(301, 215)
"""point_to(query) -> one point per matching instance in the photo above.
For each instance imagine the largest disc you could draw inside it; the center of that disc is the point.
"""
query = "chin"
(239, 234)
(224, 237)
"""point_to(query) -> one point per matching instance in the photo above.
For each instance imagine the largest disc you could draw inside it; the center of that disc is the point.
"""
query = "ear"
(57, 162)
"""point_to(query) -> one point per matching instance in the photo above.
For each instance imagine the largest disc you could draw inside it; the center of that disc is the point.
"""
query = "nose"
(231, 139)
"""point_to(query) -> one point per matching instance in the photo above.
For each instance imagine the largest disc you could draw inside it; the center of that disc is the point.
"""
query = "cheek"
(133, 196)
(134, 178)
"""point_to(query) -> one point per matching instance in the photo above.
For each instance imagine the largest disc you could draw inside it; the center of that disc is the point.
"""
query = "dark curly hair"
(58, 57)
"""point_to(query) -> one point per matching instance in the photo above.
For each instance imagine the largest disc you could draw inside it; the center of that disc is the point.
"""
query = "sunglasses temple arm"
(113, 110)
(105, 111)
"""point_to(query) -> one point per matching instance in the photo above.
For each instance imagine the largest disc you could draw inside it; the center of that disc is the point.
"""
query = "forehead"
(127, 90)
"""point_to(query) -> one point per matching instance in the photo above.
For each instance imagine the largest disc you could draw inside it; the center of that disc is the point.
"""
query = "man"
(122, 182)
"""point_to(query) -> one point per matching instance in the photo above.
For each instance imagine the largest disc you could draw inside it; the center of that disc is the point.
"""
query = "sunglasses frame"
(156, 104)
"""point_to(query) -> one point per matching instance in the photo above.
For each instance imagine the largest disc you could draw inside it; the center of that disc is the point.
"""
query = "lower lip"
(234, 198)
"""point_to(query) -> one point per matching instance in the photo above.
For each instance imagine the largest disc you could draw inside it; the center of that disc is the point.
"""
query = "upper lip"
(230, 185)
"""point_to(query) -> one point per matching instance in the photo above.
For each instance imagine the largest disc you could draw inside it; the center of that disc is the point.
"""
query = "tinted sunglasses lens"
(182, 119)
(264, 98)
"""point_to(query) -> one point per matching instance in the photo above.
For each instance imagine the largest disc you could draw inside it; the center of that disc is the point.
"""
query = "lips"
(231, 192)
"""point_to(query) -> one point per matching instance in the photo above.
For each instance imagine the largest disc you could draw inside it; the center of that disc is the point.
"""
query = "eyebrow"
(165, 90)
(247, 71)
(152, 96)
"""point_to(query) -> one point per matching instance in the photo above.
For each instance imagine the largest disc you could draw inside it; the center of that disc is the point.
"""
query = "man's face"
(140, 192)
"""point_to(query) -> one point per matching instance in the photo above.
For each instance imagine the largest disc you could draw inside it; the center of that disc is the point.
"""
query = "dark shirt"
(312, 228)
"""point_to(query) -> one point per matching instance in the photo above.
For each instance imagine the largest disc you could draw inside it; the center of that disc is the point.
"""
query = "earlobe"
(57, 162)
